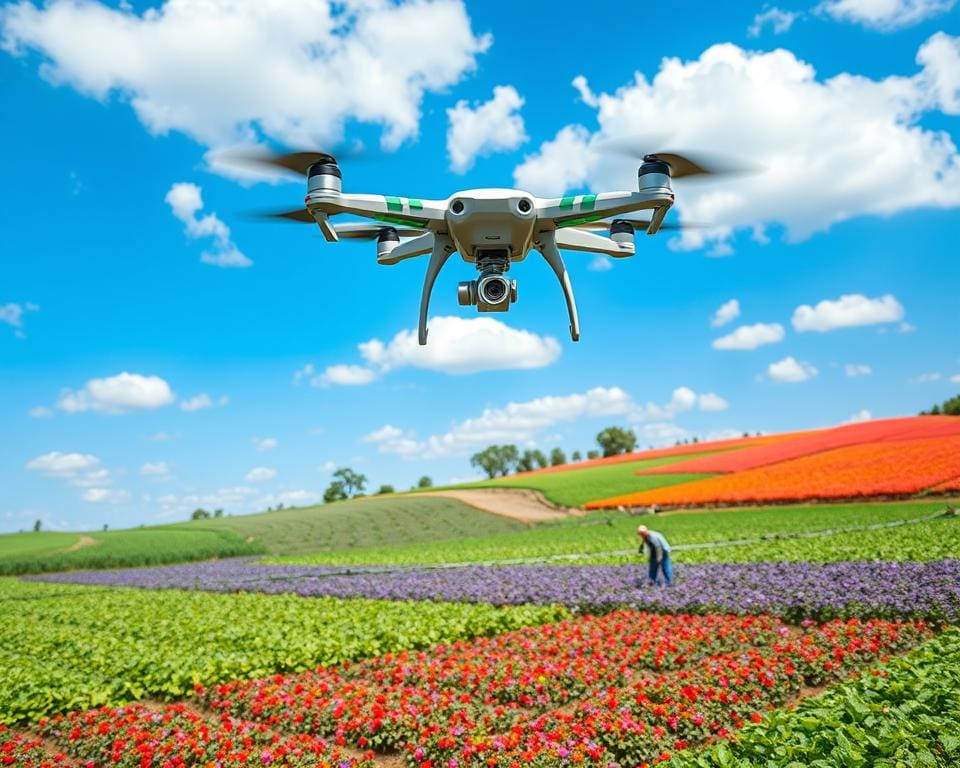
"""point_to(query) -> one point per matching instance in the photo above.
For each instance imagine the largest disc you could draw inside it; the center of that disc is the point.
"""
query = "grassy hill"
(373, 522)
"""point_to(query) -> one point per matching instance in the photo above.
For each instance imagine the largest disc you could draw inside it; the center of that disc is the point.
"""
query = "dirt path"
(520, 504)
(80, 543)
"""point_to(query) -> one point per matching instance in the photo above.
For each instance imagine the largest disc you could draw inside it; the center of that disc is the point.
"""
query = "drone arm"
(442, 248)
(408, 211)
(577, 240)
(582, 209)
(408, 250)
(547, 245)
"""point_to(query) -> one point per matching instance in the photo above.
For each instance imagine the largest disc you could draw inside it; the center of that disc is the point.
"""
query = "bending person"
(659, 551)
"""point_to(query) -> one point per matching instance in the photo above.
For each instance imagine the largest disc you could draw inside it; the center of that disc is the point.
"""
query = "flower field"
(892, 468)
(791, 590)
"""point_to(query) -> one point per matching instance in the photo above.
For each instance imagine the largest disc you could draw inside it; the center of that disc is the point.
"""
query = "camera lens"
(457, 206)
(494, 290)
(524, 205)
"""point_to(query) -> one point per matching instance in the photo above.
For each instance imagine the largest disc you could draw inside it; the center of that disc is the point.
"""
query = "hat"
(642, 530)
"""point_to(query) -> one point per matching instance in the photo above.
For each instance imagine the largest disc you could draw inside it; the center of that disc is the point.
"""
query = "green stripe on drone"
(399, 220)
(567, 202)
(394, 203)
(415, 205)
(580, 220)
(587, 202)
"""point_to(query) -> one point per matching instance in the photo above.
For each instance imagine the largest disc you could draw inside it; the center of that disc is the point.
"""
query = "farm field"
(340, 526)
(593, 537)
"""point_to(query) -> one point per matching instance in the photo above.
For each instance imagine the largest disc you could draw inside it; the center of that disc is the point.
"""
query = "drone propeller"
(681, 165)
(260, 159)
(299, 215)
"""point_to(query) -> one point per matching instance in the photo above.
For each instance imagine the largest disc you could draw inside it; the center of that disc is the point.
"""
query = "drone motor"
(387, 240)
(653, 176)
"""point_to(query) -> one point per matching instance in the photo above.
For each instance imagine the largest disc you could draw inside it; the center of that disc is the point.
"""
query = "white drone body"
(490, 228)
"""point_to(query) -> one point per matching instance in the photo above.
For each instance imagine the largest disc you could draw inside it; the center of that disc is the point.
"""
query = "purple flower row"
(793, 590)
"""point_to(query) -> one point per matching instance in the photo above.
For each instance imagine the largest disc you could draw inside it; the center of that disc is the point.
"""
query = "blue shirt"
(656, 545)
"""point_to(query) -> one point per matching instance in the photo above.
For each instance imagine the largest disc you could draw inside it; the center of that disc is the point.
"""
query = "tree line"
(949, 407)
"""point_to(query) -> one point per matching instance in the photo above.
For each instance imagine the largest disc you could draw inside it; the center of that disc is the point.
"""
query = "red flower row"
(20, 751)
(136, 736)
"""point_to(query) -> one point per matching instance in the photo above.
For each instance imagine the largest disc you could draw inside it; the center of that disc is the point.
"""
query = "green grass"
(39, 552)
(65, 647)
(341, 526)
(374, 521)
(600, 532)
(575, 487)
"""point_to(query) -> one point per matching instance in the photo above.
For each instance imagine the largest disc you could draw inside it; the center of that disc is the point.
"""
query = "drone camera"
(491, 292)
(654, 175)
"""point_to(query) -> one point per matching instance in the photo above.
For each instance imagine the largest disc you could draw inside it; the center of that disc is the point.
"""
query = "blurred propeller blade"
(261, 159)
(299, 215)
(682, 164)
(602, 226)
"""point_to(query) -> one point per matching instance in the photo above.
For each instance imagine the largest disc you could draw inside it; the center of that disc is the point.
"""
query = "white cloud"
(12, 315)
(751, 336)
(846, 136)
(196, 403)
(861, 415)
(729, 310)
(940, 57)
(260, 474)
(523, 422)
(494, 126)
(926, 378)
(848, 311)
(306, 66)
(712, 402)
(304, 374)
(789, 370)
(106, 496)
(660, 433)
(327, 466)
(457, 346)
(857, 369)
(885, 15)
(779, 20)
(41, 412)
(122, 393)
(185, 201)
(265, 443)
(955, 379)
(58, 464)
(158, 469)
(600, 263)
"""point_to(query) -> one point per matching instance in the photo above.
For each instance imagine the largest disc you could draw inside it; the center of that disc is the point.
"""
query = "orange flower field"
(895, 468)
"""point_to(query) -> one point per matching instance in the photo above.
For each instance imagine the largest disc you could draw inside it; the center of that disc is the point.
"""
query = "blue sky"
(159, 351)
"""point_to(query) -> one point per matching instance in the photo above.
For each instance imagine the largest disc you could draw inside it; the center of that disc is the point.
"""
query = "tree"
(949, 407)
(616, 440)
(334, 492)
(496, 460)
(104, 526)
(385, 489)
(425, 482)
(36, 526)
(575, 456)
(557, 457)
(352, 482)
(530, 460)
(218, 513)
(200, 514)
(593, 453)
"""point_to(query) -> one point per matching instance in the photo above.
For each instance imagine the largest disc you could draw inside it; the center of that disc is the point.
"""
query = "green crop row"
(603, 532)
(48, 552)
(906, 713)
(65, 648)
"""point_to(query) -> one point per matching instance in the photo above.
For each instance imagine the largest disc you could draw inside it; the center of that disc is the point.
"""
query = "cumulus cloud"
(58, 464)
(523, 422)
(185, 201)
(861, 415)
(457, 346)
(779, 21)
(940, 58)
(106, 496)
(857, 369)
(202, 402)
(265, 443)
(790, 371)
(306, 66)
(885, 15)
(725, 313)
(260, 474)
(122, 393)
(845, 136)
(12, 315)
(750, 336)
(157, 469)
(955, 379)
(493, 126)
(600, 263)
(846, 312)
(41, 412)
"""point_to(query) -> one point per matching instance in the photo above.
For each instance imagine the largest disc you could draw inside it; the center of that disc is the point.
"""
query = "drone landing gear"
(547, 246)
(442, 248)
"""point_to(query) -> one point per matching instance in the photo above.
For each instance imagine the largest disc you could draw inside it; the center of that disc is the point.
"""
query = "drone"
(492, 229)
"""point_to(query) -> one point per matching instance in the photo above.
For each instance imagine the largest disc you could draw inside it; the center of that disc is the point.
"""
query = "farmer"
(659, 551)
